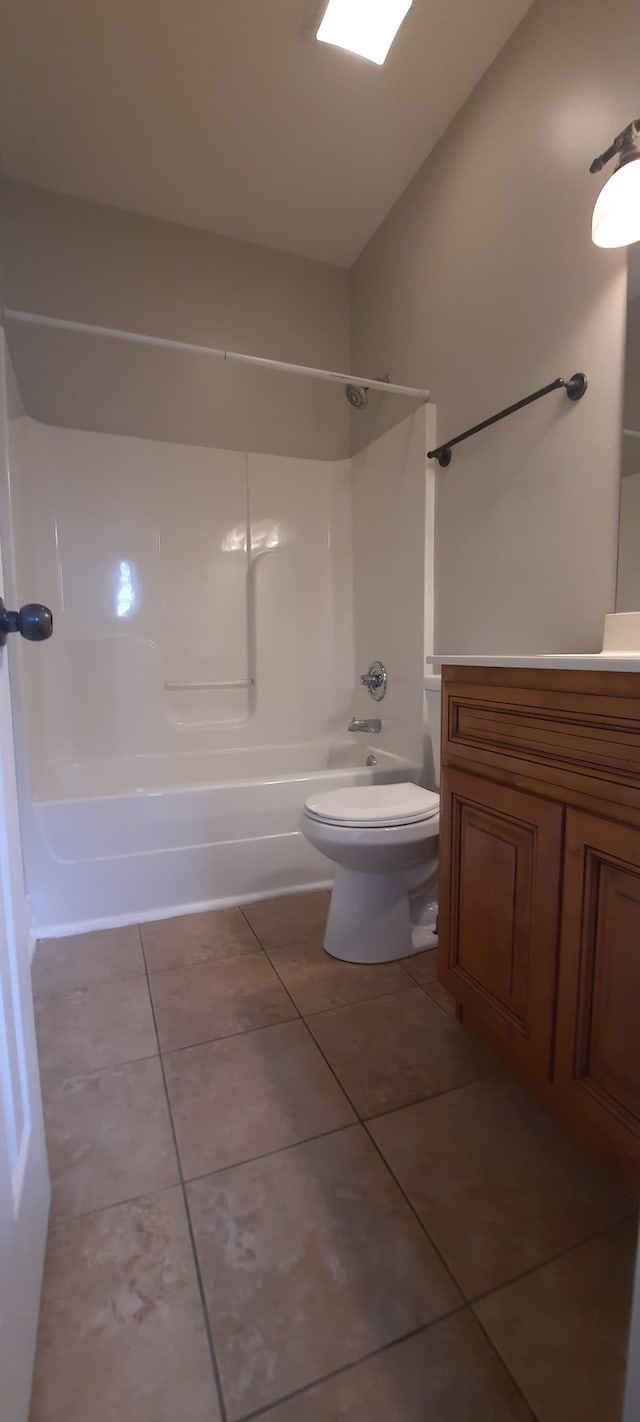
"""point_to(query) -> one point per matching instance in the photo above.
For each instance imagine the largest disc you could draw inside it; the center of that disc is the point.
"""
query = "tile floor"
(293, 1188)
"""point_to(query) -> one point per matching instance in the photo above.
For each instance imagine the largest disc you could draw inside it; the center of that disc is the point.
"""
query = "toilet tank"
(433, 689)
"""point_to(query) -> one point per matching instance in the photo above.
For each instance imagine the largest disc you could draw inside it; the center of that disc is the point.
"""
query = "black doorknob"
(34, 621)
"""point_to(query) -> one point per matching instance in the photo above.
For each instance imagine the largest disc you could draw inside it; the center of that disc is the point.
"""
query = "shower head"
(357, 395)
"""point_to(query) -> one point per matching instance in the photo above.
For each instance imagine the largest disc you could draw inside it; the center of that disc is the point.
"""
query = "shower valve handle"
(34, 621)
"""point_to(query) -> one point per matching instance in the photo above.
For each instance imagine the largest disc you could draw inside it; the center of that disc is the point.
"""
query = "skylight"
(365, 27)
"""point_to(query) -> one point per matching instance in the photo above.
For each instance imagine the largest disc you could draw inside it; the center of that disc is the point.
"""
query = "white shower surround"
(139, 801)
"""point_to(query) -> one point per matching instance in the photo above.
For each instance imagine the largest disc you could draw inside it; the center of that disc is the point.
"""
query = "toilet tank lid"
(375, 804)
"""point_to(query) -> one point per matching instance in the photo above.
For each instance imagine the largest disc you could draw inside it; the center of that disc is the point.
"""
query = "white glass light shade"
(616, 215)
(365, 27)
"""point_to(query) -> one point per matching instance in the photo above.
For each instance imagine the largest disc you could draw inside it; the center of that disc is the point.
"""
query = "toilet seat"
(373, 806)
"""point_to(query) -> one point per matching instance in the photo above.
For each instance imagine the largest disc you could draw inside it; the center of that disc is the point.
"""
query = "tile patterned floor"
(290, 1187)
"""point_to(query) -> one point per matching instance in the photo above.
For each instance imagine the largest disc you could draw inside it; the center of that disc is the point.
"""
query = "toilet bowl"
(384, 840)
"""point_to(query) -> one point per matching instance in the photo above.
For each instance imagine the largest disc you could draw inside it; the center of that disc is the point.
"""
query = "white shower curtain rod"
(31, 319)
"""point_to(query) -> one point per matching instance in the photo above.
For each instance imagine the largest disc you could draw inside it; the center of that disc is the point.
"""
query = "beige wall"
(628, 584)
(631, 410)
(75, 259)
(483, 284)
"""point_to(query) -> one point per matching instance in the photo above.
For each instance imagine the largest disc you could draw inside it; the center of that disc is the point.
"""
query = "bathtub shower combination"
(213, 611)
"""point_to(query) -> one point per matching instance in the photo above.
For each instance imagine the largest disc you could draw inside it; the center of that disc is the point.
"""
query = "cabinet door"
(500, 855)
(597, 1061)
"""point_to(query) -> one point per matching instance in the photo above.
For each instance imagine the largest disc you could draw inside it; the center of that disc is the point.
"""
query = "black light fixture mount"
(624, 143)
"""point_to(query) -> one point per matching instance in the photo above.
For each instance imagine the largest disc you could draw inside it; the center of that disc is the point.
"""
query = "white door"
(24, 1179)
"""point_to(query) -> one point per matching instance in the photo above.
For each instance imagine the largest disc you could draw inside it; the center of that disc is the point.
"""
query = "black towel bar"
(575, 388)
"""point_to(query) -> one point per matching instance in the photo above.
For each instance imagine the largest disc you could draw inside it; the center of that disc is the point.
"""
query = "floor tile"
(310, 1258)
(449, 1373)
(208, 1000)
(563, 1330)
(121, 1332)
(423, 966)
(396, 1050)
(197, 938)
(243, 1096)
(443, 998)
(288, 919)
(94, 1027)
(108, 1137)
(64, 964)
(317, 981)
(498, 1186)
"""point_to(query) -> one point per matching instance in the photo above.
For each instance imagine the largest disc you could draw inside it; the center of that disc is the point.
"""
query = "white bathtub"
(119, 840)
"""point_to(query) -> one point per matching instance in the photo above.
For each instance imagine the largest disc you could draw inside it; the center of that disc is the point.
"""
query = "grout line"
(445, 1265)
(474, 1299)
(503, 1363)
(113, 1205)
(266, 1154)
(358, 1001)
(385, 1163)
(227, 1036)
(255, 951)
(96, 1071)
(185, 1201)
(422, 1100)
(251, 928)
(349, 1367)
(289, 942)
(415, 1214)
(451, 1015)
(49, 1083)
(326, 1059)
(331, 1130)
(363, 1123)
(87, 987)
(230, 1036)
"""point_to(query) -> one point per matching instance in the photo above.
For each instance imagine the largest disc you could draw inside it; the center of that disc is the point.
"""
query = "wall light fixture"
(616, 215)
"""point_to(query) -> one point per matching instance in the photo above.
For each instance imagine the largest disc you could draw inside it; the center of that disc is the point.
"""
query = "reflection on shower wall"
(202, 597)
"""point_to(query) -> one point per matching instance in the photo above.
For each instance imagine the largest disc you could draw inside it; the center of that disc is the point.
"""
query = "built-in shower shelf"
(207, 685)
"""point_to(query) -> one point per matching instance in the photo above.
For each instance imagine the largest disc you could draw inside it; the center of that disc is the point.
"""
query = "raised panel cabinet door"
(597, 1060)
(500, 857)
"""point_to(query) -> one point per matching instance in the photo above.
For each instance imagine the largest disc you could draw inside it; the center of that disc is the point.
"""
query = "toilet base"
(369, 919)
(423, 937)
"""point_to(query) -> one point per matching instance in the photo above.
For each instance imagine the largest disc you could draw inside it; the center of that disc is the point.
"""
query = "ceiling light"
(616, 215)
(365, 27)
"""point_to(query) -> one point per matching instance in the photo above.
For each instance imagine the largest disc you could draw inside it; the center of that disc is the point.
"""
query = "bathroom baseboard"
(94, 925)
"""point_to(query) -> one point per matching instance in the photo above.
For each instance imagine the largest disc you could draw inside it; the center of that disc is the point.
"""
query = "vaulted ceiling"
(226, 115)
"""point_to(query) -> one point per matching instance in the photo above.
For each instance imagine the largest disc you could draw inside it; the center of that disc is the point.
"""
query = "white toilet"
(384, 840)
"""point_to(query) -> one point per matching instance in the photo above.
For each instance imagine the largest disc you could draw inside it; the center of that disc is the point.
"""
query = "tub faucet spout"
(370, 728)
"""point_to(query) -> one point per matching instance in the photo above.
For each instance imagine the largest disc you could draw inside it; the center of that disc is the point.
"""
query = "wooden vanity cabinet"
(540, 887)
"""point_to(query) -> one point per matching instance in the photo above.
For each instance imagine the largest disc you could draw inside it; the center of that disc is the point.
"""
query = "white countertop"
(588, 661)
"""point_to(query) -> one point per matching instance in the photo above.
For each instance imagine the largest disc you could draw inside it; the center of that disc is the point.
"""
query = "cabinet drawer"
(575, 736)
